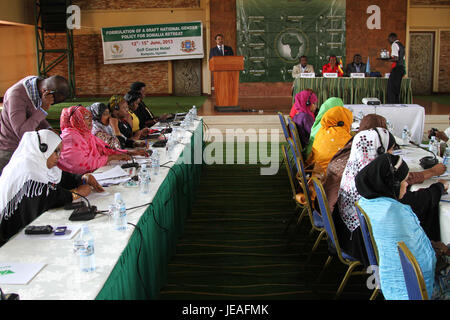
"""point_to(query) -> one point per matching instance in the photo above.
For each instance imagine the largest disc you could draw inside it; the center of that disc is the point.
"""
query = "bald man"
(25, 108)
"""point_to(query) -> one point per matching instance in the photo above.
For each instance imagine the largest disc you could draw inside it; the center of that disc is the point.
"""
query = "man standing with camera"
(397, 71)
(25, 108)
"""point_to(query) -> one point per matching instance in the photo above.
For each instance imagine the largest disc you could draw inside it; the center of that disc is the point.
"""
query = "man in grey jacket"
(25, 108)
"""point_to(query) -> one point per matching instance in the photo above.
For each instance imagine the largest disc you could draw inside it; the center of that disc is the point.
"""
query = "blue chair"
(294, 186)
(369, 242)
(283, 125)
(346, 259)
(415, 283)
(295, 137)
(314, 216)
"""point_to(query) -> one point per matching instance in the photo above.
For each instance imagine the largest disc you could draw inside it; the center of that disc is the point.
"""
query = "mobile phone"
(60, 231)
(31, 230)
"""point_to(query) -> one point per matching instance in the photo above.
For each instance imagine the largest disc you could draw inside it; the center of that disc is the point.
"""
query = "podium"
(226, 81)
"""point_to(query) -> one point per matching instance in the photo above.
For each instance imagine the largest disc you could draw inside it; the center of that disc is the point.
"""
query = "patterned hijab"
(327, 105)
(27, 173)
(364, 151)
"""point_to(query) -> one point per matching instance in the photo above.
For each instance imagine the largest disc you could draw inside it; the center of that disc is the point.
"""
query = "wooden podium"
(226, 81)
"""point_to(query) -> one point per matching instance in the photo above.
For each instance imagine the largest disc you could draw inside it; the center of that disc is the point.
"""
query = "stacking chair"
(294, 186)
(415, 283)
(369, 242)
(314, 216)
(295, 137)
(283, 125)
(346, 259)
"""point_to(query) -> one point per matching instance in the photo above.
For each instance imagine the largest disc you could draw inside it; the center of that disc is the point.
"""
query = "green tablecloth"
(161, 225)
(351, 90)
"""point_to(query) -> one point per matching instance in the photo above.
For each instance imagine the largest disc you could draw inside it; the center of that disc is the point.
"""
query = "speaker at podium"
(226, 81)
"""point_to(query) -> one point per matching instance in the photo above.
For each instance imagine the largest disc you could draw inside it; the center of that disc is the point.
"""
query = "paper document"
(18, 273)
(116, 172)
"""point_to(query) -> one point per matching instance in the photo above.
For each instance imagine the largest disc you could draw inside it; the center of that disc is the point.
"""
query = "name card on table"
(330, 75)
(357, 75)
(387, 75)
(307, 75)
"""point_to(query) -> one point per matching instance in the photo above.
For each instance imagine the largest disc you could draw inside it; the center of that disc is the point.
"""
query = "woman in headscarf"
(31, 183)
(336, 167)
(327, 105)
(83, 152)
(304, 108)
(118, 108)
(106, 127)
(332, 137)
(381, 184)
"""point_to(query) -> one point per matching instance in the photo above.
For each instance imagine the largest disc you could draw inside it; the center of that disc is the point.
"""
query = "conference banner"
(273, 34)
(144, 43)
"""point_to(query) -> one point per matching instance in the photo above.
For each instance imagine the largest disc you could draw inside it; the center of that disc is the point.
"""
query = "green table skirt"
(351, 90)
(161, 224)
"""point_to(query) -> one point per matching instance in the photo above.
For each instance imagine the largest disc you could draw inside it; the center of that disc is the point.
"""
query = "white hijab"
(364, 151)
(27, 173)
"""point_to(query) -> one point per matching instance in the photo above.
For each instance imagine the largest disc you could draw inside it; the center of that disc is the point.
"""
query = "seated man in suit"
(302, 67)
(357, 66)
(220, 49)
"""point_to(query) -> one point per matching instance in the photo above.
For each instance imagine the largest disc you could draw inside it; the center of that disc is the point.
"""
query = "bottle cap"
(117, 196)
(143, 166)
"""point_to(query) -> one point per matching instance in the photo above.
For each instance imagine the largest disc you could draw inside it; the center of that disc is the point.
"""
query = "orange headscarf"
(332, 136)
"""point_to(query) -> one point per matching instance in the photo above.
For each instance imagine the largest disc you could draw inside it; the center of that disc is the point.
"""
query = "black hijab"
(97, 110)
(375, 180)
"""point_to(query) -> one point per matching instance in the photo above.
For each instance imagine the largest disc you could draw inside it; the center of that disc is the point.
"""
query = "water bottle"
(194, 111)
(169, 148)
(446, 161)
(144, 179)
(434, 146)
(84, 249)
(120, 217)
(405, 135)
(155, 163)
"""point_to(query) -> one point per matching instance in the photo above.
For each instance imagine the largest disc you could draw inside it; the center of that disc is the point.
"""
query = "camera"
(432, 133)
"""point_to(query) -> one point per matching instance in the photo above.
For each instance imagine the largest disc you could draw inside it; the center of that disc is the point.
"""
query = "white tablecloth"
(61, 278)
(412, 155)
(411, 115)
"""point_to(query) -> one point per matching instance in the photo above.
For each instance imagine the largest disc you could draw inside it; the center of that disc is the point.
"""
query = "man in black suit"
(357, 66)
(220, 49)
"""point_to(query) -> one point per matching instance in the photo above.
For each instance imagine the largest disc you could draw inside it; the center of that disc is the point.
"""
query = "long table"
(128, 266)
(411, 115)
(412, 155)
(351, 90)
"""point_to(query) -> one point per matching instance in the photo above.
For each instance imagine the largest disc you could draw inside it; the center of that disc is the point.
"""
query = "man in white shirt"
(302, 67)
(443, 136)
(398, 69)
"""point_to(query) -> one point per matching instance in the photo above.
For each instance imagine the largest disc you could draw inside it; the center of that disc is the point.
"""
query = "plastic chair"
(369, 242)
(346, 259)
(415, 283)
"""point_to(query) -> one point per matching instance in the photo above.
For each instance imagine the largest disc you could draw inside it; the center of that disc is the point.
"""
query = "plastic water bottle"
(434, 146)
(446, 160)
(120, 217)
(154, 163)
(169, 148)
(84, 248)
(144, 179)
(405, 135)
(194, 111)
